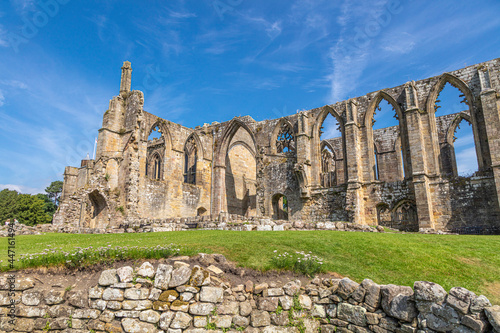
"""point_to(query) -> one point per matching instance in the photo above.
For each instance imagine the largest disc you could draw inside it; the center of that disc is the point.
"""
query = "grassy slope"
(472, 262)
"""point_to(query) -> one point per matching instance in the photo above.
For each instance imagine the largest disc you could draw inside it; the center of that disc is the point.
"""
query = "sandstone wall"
(419, 151)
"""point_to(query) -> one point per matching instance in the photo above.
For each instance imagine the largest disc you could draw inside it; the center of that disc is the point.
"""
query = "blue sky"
(209, 60)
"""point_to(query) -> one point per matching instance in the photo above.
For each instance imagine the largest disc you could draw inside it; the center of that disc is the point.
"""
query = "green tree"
(54, 190)
(49, 206)
(27, 209)
(30, 210)
(8, 199)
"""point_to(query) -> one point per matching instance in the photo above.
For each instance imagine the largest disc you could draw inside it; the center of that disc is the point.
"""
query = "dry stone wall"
(182, 298)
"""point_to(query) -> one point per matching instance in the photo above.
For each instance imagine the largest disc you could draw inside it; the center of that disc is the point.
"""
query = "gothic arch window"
(463, 154)
(156, 167)
(458, 147)
(285, 142)
(190, 160)
(280, 207)
(328, 177)
(329, 133)
(402, 163)
(384, 115)
(389, 162)
(376, 174)
(155, 153)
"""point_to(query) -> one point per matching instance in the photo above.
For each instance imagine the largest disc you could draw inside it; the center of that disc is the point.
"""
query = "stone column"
(491, 112)
(303, 149)
(354, 198)
(126, 81)
(219, 189)
(418, 157)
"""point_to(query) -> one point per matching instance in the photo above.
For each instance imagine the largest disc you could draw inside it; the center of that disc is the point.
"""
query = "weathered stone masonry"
(279, 168)
(179, 297)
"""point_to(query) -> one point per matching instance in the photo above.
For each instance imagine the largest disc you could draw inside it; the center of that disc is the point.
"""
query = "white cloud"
(349, 56)
(22, 6)
(22, 189)
(14, 84)
(399, 43)
(464, 141)
(274, 30)
(167, 103)
(2, 98)
(3, 37)
(181, 15)
(330, 128)
(466, 161)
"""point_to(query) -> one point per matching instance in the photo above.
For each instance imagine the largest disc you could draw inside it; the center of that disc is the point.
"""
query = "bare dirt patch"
(62, 278)
(494, 291)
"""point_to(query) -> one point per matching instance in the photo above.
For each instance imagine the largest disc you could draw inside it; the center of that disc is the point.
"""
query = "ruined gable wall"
(122, 153)
(170, 196)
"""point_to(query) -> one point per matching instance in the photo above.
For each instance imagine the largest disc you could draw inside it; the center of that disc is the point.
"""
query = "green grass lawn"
(472, 262)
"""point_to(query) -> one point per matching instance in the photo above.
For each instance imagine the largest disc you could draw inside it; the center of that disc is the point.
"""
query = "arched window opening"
(201, 211)
(240, 179)
(402, 217)
(98, 210)
(155, 133)
(190, 161)
(450, 100)
(156, 167)
(280, 207)
(155, 153)
(285, 142)
(333, 169)
(465, 150)
(328, 177)
(388, 156)
(384, 115)
(383, 214)
(458, 156)
(402, 164)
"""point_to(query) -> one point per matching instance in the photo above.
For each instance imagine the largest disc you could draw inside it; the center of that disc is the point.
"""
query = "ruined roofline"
(454, 72)
(339, 105)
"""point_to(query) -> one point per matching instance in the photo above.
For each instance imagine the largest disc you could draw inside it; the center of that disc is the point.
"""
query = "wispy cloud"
(23, 6)
(168, 103)
(399, 43)
(353, 48)
(181, 15)
(330, 128)
(22, 189)
(3, 37)
(14, 84)
(466, 161)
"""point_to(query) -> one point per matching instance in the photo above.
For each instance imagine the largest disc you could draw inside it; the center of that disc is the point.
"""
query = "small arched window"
(155, 153)
(156, 167)
(280, 207)
(285, 142)
(190, 159)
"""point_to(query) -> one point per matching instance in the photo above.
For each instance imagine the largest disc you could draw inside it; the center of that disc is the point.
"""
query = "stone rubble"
(230, 222)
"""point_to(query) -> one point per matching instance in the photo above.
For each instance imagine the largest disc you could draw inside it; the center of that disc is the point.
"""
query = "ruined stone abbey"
(148, 168)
